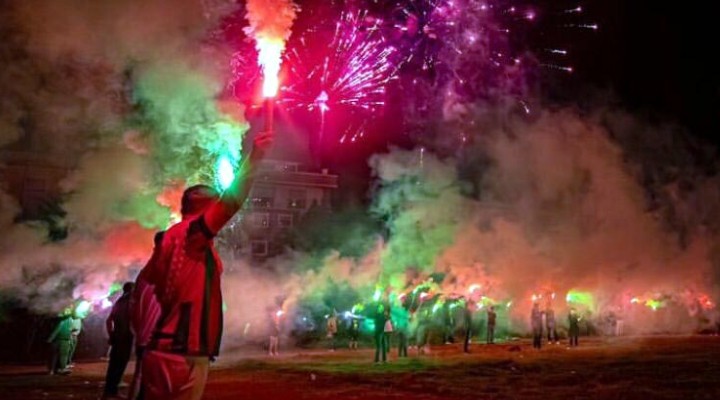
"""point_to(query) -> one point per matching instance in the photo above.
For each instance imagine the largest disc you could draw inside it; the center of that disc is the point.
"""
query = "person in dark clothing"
(574, 327)
(550, 326)
(536, 322)
(381, 316)
(121, 340)
(491, 318)
(145, 312)
(354, 332)
(467, 314)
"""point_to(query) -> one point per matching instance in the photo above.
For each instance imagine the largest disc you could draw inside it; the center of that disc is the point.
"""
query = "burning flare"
(270, 22)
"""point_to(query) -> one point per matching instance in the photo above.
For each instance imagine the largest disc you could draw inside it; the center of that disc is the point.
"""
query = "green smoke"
(577, 297)
(420, 202)
(188, 134)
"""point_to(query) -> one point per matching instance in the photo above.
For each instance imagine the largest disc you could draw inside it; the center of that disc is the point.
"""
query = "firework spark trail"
(446, 34)
(356, 65)
(354, 74)
(362, 78)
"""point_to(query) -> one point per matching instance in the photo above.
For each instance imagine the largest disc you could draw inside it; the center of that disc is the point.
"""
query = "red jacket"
(186, 276)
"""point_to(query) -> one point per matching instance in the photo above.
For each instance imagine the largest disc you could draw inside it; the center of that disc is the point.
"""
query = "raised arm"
(233, 198)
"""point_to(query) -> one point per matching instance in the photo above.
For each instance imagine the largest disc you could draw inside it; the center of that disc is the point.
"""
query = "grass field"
(676, 367)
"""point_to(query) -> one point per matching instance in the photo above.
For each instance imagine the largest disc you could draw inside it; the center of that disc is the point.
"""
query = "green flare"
(114, 288)
(82, 309)
(654, 304)
(582, 298)
(377, 294)
(225, 173)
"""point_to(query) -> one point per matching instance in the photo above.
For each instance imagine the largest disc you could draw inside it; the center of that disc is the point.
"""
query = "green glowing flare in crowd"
(654, 304)
(577, 297)
(114, 288)
(83, 308)
(378, 293)
(225, 172)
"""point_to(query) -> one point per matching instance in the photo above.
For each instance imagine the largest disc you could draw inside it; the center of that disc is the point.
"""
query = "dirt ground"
(686, 367)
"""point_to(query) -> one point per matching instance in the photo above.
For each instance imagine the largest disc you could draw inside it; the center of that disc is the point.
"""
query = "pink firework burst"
(351, 72)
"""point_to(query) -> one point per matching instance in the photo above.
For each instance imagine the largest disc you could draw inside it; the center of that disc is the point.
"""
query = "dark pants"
(402, 344)
(466, 347)
(119, 357)
(136, 390)
(574, 333)
(60, 355)
(537, 338)
(381, 342)
(491, 334)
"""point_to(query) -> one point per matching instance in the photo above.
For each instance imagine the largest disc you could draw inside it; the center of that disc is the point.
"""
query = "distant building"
(281, 196)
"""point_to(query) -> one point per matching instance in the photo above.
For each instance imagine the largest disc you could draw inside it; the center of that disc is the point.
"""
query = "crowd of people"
(415, 331)
(172, 315)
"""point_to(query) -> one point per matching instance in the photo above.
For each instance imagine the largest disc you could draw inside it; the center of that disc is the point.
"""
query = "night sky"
(650, 58)
(657, 57)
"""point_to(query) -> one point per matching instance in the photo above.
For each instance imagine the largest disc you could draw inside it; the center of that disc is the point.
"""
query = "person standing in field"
(467, 317)
(491, 319)
(186, 280)
(550, 326)
(332, 328)
(536, 322)
(120, 339)
(573, 327)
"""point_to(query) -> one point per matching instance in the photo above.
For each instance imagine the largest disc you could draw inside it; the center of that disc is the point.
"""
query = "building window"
(262, 197)
(297, 199)
(285, 220)
(261, 220)
(259, 247)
